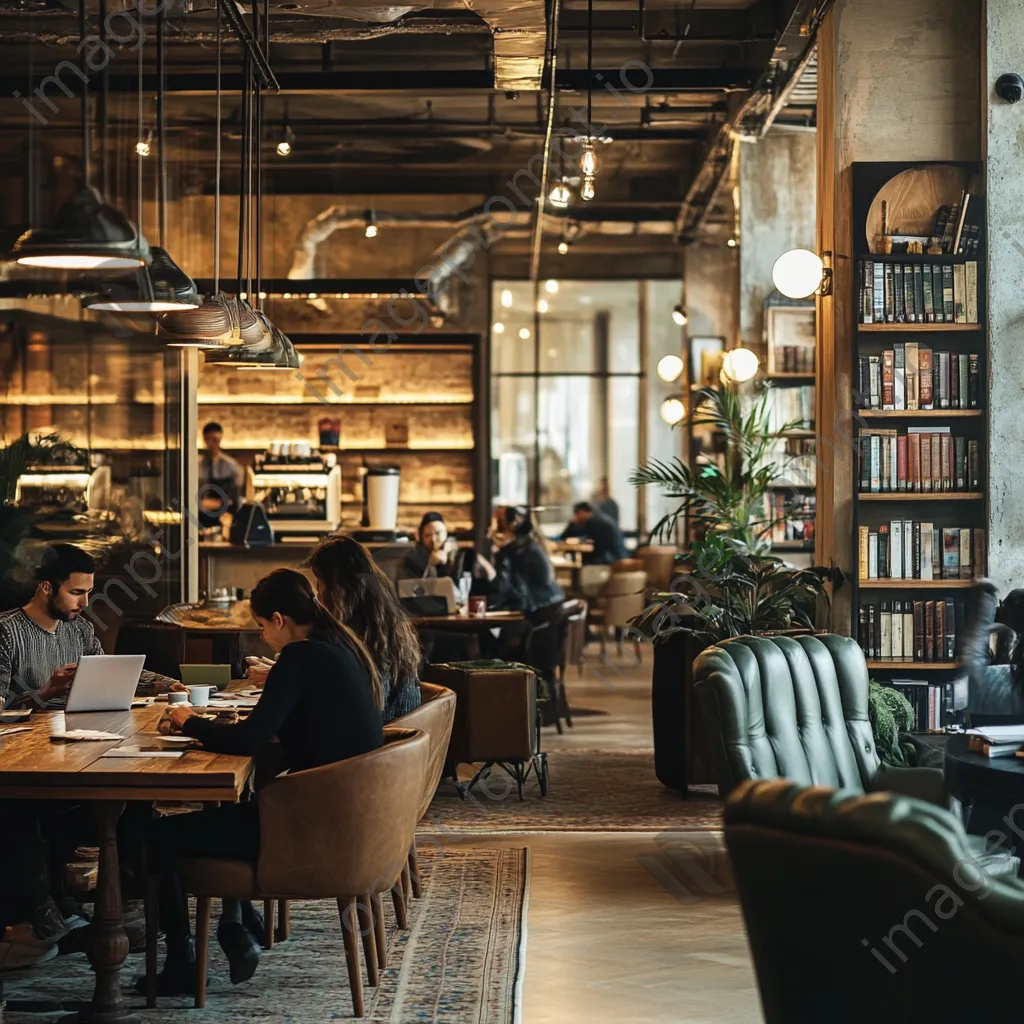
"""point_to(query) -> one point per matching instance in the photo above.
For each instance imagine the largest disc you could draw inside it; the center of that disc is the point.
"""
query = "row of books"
(791, 408)
(909, 631)
(792, 518)
(904, 293)
(926, 460)
(908, 550)
(794, 358)
(910, 376)
(958, 227)
(932, 703)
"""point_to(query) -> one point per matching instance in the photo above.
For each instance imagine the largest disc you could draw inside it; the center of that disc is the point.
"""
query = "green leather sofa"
(870, 908)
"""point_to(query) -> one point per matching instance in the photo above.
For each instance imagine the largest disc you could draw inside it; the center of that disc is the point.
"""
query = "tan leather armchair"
(338, 832)
(435, 717)
(623, 596)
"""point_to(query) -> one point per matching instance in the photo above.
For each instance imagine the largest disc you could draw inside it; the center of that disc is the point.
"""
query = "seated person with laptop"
(41, 642)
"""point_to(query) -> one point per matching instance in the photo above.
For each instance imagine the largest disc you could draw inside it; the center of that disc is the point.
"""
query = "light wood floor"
(634, 927)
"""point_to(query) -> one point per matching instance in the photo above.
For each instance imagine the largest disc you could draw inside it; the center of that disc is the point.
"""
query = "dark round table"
(995, 782)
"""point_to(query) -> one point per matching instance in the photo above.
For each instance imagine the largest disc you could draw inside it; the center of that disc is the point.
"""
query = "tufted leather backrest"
(857, 906)
(788, 707)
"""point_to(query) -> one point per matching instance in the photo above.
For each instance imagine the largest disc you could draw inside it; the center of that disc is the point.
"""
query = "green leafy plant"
(728, 500)
(890, 713)
(732, 593)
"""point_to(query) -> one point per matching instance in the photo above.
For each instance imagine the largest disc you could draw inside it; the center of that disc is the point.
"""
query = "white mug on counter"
(177, 697)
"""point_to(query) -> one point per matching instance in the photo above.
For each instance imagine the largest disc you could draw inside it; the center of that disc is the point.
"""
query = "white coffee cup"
(58, 724)
(177, 697)
(199, 695)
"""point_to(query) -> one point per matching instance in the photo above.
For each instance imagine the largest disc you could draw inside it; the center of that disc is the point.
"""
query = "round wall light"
(669, 368)
(740, 364)
(679, 317)
(672, 411)
(799, 273)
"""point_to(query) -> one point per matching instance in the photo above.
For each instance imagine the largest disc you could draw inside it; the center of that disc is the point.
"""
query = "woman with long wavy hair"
(361, 595)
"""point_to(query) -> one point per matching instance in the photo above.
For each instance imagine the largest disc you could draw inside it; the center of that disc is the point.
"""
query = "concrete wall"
(711, 280)
(778, 186)
(1005, 144)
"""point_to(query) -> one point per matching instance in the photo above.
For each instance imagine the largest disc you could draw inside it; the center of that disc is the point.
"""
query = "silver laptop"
(434, 595)
(105, 682)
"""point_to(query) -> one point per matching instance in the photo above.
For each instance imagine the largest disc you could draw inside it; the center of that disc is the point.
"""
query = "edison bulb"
(588, 161)
(371, 231)
(672, 411)
(797, 273)
(563, 248)
(740, 364)
(499, 327)
(669, 368)
(587, 191)
(506, 298)
(560, 196)
(551, 286)
(284, 148)
(142, 147)
(524, 333)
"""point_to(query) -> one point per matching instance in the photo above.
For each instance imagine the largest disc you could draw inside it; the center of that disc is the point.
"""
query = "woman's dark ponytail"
(289, 592)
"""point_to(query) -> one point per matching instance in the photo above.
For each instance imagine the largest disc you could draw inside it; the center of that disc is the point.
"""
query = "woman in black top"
(357, 591)
(526, 576)
(322, 699)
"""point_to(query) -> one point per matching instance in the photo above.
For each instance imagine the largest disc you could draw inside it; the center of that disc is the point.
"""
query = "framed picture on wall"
(706, 355)
(790, 335)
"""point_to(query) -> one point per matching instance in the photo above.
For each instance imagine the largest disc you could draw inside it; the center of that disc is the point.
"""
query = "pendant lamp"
(87, 233)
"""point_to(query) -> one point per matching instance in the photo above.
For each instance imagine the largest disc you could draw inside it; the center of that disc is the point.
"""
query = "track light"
(284, 143)
(679, 317)
(371, 226)
(144, 146)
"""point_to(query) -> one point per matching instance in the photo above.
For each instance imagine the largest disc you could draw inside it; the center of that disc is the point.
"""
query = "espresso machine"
(299, 487)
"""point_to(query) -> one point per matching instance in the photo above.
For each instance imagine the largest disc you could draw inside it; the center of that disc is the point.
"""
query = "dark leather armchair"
(797, 708)
(865, 908)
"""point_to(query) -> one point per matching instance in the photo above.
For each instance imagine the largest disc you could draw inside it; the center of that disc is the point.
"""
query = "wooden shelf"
(361, 402)
(927, 328)
(790, 376)
(914, 496)
(915, 584)
(916, 666)
(930, 414)
(797, 432)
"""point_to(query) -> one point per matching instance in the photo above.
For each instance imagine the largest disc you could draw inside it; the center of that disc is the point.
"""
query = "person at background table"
(435, 554)
(589, 524)
(221, 478)
(41, 642)
(357, 591)
(604, 502)
(322, 700)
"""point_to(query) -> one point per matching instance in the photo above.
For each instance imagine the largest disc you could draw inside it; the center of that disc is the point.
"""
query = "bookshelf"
(946, 497)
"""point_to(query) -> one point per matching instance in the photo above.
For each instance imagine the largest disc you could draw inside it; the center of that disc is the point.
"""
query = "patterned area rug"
(460, 962)
(589, 791)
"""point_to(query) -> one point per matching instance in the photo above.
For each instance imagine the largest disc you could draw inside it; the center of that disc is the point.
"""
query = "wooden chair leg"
(268, 923)
(406, 881)
(349, 915)
(284, 920)
(202, 948)
(398, 898)
(380, 933)
(152, 907)
(414, 873)
(366, 929)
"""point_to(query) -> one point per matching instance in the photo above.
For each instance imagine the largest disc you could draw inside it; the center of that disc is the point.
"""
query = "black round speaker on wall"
(1010, 87)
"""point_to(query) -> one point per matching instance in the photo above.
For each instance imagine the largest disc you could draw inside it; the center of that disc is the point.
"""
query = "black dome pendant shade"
(163, 288)
(87, 234)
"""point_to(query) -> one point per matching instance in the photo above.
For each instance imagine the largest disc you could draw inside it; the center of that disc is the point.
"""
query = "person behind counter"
(357, 591)
(221, 478)
(435, 554)
(41, 642)
(589, 524)
(322, 700)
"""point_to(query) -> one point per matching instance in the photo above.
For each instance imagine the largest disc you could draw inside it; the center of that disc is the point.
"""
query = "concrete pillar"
(778, 185)
(1004, 124)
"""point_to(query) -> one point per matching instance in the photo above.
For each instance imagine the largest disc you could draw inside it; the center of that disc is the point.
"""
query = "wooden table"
(34, 768)
(467, 623)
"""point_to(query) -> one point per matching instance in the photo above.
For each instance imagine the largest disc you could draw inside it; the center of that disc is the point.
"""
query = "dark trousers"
(230, 832)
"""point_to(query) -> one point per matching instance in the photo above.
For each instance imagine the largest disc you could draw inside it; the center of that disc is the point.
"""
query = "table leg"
(109, 942)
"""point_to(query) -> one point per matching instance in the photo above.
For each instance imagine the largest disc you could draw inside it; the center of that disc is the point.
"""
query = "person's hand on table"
(58, 684)
(259, 669)
(178, 716)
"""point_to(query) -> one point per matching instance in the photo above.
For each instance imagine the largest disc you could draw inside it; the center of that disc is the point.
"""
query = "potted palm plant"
(733, 585)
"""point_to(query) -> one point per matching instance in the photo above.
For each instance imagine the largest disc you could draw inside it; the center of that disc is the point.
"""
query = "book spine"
(901, 308)
(890, 298)
(863, 533)
(899, 376)
(873, 638)
(864, 446)
(949, 632)
(978, 560)
(940, 309)
(911, 357)
(925, 392)
(926, 462)
(966, 549)
(908, 550)
(943, 402)
(888, 363)
(896, 631)
(971, 291)
(875, 380)
(886, 615)
(884, 542)
(873, 556)
(959, 294)
(950, 553)
(896, 552)
(946, 459)
(929, 631)
(919, 292)
(902, 471)
(973, 466)
(960, 461)
(867, 309)
(908, 631)
(973, 382)
(963, 368)
(947, 294)
(929, 301)
(914, 463)
(878, 316)
(919, 631)
(925, 567)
